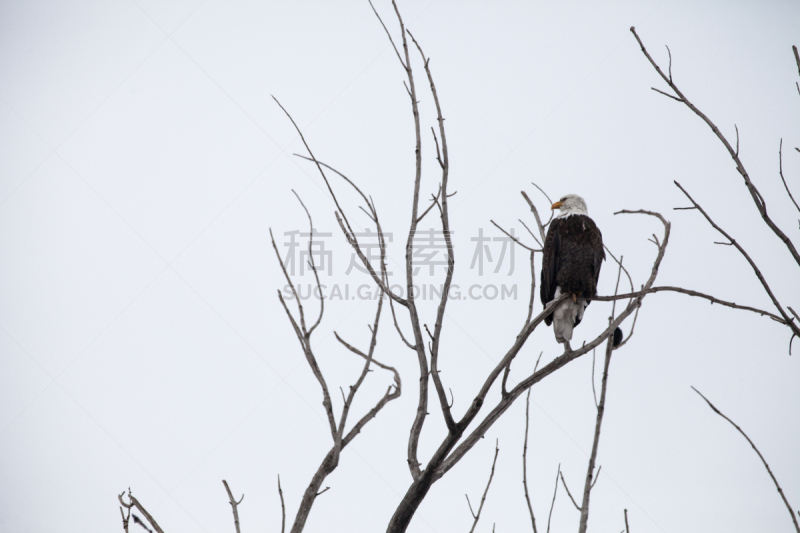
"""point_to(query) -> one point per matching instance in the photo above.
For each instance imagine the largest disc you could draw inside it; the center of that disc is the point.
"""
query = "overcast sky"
(143, 345)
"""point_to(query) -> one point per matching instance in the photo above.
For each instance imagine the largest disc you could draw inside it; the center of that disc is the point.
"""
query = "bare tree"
(465, 429)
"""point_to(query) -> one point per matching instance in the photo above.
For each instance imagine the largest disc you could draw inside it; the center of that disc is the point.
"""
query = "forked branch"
(758, 200)
(234, 505)
(135, 503)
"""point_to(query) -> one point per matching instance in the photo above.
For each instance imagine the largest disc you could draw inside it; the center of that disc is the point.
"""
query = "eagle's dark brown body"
(572, 257)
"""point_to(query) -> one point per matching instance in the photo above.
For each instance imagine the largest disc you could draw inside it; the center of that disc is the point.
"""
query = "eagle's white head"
(571, 204)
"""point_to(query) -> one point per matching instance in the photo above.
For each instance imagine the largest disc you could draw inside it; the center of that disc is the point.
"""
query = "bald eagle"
(573, 255)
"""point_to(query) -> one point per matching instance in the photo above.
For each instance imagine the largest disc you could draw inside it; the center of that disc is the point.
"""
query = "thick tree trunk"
(420, 487)
(408, 506)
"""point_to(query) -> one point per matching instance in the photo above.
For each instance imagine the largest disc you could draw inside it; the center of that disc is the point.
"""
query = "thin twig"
(594, 393)
(283, 506)
(780, 171)
(313, 266)
(486, 491)
(525, 462)
(553, 503)
(563, 482)
(780, 490)
(516, 240)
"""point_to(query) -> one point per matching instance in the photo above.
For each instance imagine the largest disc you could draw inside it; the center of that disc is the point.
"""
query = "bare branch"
(135, 503)
(589, 483)
(283, 506)
(627, 529)
(754, 193)
(760, 277)
(666, 94)
(485, 492)
(533, 289)
(313, 266)
(234, 505)
(669, 52)
(563, 482)
(344, 224)
(780, 171)
(419, 345)
(354, 388)
(434, 202)
(552, 504)
(689, 292)
(389, 35)
(594, 393)
(513, 238)
(535, 214)
(529, 231)
(780, 490)
(525, 462)
(444, 162)
(597, 476)
(125, 519)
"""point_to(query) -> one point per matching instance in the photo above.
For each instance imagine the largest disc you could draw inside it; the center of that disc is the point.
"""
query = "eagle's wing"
(598, 253)
(551, 262)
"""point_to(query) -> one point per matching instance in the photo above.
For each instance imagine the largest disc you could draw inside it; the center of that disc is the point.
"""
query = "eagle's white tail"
(565, 316)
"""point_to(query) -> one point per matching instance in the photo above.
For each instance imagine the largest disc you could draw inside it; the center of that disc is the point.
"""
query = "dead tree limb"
(589, 483)
(787, 321)
(234, 505)
(752, 444)
(689, 292)
(331, 460)
(758, 200)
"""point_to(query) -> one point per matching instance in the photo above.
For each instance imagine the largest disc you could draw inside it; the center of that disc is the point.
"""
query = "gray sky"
(143, 345)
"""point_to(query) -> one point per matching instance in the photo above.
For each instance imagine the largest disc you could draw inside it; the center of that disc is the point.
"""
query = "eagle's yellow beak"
(556, 205)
